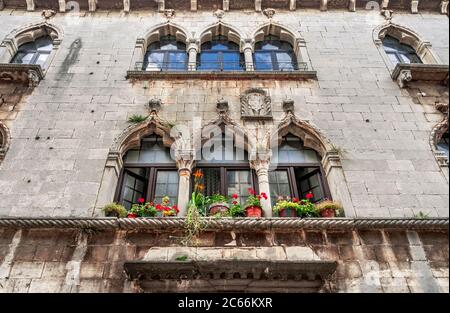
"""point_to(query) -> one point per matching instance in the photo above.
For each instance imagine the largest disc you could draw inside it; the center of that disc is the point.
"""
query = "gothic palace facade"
(126, 101)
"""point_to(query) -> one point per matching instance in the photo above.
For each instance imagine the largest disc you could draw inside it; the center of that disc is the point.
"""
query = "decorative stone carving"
(92, 5)
(436, 134)
(30, 5)
(289, 106)
(4, 140)
(47, 14)
(62, 5)
(226, 5)
(444, 7)
(21, 74)
(170, 13)
(193, 5)
(33, 78)
(352, 5)
(154, 105)
(323, 5)
(414, 6)
(258, 5)
(387, 14)
(222, 107)
(292, 5)
(219, 14)
(384, 4)
(270, 13)
(126, 5)
(256, 104)
(161, 5)
(403, 78)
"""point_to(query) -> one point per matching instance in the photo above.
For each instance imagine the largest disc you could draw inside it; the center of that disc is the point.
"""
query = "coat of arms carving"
(256, 104)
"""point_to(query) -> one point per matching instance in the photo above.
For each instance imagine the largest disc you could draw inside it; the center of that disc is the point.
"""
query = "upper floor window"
(35, 52)
(443, 144)
(399, 52)
(272, 54)
(220, 54)
(298, 173)
(167, 54)
(149, 173)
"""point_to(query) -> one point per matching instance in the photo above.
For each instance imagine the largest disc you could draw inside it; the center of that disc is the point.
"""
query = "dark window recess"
(168, 54)
(399, 52)
(443, 144)
(220, 54)
(149, 172)
(298, 173)
(35, 52)
(272, 54)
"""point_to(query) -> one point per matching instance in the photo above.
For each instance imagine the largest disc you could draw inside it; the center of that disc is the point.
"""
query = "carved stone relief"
(256, 104)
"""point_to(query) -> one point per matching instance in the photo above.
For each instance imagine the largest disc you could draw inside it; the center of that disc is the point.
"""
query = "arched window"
(167, 54)
(443, 144)
(35, 52)
(149, 172)
(226, 168)
(220, 54)
(298, 173)
(399, 52)
(273, 54)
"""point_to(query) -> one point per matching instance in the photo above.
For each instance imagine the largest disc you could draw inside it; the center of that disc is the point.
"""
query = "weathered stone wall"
(49, 260)
(84, 102)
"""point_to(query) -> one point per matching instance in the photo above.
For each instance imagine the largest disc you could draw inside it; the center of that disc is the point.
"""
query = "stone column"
(192, 52)
(248, 55)
(261, 167)
(185, 163)
(126, 5)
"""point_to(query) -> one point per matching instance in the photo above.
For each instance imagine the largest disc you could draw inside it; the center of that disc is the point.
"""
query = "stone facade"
(63, 136)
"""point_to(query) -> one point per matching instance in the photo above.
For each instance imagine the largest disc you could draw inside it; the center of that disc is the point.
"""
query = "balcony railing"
(218, 66)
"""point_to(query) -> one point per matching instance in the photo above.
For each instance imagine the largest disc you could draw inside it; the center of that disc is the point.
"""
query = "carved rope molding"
(228, 224)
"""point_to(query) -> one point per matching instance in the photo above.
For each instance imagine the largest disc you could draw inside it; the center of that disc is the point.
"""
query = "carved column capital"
(384, 4)
(226, 5)
(185, 161)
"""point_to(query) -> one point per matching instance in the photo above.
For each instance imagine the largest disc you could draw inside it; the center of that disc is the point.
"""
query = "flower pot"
(288, 213)
(328, 213)
(221, 208)
(253, 211)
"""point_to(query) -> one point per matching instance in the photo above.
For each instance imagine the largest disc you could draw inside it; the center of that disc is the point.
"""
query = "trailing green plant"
(115, 209)
(137, 118)
(196, 209)
(421, 215)
(236, 210)
(216, 199)
(150, 209)
(304, 208)
(181, 258)
(330, 205)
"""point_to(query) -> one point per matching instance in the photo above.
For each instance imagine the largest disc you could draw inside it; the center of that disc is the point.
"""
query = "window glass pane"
(402, 52)
(238, 183)
(443, 144)
(23, 58)
(285, 61)
(209, 61)
(134, 186)
(211, 181)
(279, 185)
(152, 151)
(176, 61)
(308, 181)
(232, 61)
(263, 61)
(41, 59)
(166, 185)
(154, 61)
(393, 58)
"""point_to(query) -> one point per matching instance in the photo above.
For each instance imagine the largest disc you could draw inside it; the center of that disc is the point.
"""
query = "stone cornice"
(404, 73)
(229, 224)
(161, 6)
(226, 75)
(30, 74)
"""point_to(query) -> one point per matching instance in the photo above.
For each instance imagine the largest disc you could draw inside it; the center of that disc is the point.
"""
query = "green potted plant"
(218, 205)
(142, 209)
(285, 207)
(307, 208)
(115, 210)
(329, 208)
(164, 209)
(253, 207)
(236, 209)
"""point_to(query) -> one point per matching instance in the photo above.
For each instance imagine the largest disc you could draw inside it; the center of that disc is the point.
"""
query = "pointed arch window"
(273, 54)
(167, 54)
(226, 168)
(399, 52)
(298, 173)
(220, 54)
(443, 144)
(35, 52)
(149, 172)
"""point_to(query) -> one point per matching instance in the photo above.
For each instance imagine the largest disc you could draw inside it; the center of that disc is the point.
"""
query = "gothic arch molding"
(5, 139)
(222, 29)
(165, 29)
(436, 134)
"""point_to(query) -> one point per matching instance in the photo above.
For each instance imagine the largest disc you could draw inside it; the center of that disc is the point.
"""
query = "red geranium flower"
(131, 215)
(235, 202)
(309, 196)
(264, 195)
(235, 196)
(251, 191)
(141, 200)
(159, 207)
